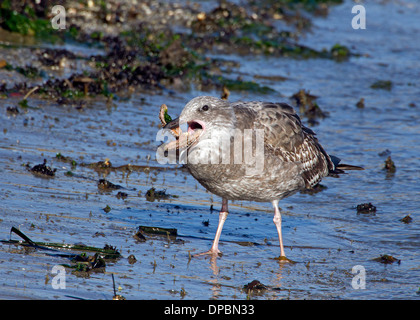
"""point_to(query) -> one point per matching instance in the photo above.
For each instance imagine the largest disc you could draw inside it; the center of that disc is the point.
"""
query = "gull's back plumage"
(288, 140)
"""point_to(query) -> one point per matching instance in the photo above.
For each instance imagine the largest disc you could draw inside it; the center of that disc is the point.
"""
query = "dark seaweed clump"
(407, 219)
(84, 264)
(254, 286)
(13, 110)
(54, 57)
(389, 165)
(121, 195)
(43, 170)
(152, 194)
(387, 259)
(382, 84)
(308, 106)
(105, 185)
(366, 208)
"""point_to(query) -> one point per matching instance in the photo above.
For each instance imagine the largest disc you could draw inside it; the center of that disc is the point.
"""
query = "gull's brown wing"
(286, 137)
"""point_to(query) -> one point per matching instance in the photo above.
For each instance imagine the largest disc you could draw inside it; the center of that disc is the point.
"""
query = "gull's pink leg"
(277, 222)
(214, 250)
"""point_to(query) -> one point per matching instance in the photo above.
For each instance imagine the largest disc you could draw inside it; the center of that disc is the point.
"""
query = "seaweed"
(83, 264)
(105, 185)
(43, 170)
(407, 219)
(340, 52)
(158, 231)
(308, 106)
(108, 252)
(255, 287)
(152, 194)
(389, 165)
(382, 84)
(387, 259)
(28, 18)
(121, 195)
(361, 103)
(62, 158)
(153, 55)
(366, 208)
(13, 110)
(315, 189)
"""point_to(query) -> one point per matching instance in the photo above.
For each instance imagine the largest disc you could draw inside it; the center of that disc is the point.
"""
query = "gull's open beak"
(183, 139)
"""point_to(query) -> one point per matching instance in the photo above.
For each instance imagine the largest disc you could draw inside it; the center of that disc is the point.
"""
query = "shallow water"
(323, 233)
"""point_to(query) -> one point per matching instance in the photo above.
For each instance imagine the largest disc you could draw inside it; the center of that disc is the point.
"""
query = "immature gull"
(255, 151)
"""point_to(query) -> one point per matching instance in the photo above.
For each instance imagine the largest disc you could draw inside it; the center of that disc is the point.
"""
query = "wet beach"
(79, 177)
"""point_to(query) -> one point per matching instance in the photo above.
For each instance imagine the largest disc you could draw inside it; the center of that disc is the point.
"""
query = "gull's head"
(203, 115)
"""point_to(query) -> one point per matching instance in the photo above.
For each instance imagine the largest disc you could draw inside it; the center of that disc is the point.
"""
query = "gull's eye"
(205, 107)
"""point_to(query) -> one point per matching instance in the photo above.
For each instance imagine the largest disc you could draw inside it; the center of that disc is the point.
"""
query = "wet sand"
(323, 232)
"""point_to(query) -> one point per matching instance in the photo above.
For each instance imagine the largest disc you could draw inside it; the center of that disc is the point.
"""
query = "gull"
(253, 151)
